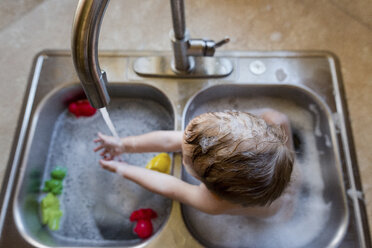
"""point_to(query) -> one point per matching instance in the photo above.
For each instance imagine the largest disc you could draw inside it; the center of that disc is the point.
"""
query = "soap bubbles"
(310, 213)
(96, 204)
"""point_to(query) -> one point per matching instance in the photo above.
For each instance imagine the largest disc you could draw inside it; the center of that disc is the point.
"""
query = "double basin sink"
(97, 204)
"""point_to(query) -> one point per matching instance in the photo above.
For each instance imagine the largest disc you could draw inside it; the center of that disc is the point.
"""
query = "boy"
(244, 162)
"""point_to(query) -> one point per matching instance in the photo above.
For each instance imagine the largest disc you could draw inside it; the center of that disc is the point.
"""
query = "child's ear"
(186, 157)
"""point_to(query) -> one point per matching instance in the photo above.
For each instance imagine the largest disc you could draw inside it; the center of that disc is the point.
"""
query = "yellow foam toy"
(161, 163)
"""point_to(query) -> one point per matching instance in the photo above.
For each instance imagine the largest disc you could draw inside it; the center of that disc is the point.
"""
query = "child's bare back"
(244, 163)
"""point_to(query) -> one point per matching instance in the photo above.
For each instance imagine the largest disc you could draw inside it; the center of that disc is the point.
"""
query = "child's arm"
(166, 185)
(157, 141)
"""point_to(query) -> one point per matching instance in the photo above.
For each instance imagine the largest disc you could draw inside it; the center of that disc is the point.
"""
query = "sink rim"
(341, 231)
(28, 143)
(42, 76)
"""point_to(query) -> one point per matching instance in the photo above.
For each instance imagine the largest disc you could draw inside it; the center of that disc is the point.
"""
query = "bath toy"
(143, 213)
(143, 228)
(160, 162)
(58, 173)
(143, 217)
(81, 108)
(54, 186)
(50, 212)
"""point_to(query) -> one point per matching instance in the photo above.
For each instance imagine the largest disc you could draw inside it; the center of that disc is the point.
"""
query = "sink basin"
(321, 214)
(307, 86)
(96, 203)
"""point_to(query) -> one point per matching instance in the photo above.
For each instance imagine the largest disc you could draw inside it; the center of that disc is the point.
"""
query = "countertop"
(340, 26)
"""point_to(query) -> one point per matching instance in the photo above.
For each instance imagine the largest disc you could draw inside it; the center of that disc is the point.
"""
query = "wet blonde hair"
(239, 157)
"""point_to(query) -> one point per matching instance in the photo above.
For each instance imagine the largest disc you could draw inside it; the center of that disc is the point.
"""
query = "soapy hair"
(239, 157)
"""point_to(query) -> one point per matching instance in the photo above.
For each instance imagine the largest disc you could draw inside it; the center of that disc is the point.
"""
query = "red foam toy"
(143, 214)
(143, 217)
(81, 108)
(143, 228)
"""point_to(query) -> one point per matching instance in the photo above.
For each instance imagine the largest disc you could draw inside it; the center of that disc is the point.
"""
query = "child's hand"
(111, 146)
(113, 166)
(273, 117)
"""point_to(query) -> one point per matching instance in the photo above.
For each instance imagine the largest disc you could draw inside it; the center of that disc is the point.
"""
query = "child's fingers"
(97, 140)
(108, 165)
(113, 166)
(104, 152)
(98, 148)
(102, 136)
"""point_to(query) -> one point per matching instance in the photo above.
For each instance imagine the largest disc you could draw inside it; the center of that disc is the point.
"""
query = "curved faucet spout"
(84, 45)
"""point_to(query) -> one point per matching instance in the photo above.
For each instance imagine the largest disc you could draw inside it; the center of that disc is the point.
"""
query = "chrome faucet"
(183, 47)
(86, 27)
(84, 45)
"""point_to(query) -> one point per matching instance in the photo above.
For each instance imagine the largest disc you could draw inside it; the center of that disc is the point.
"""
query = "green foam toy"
(53, 185)
(50, 207)
(50, 211)
(58, 173)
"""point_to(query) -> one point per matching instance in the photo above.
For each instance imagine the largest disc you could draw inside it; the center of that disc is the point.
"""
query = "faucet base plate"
(161, 66)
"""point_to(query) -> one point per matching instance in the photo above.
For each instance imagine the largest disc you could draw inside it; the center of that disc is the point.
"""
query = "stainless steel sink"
(96, 205)
(321, 208)
(305, 85)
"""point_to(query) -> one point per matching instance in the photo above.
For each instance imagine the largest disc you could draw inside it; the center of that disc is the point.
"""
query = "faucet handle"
(222, 42)
(211, 46)
(203, 47)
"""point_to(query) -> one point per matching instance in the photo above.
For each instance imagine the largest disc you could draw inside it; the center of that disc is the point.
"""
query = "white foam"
(328, 142)
(207, 142)
(352, 193)
(234, 127)
(88, 189)
(313, 109)
(311, 212)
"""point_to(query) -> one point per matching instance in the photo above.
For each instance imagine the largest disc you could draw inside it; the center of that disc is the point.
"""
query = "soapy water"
(96, 203)
(311, 212)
